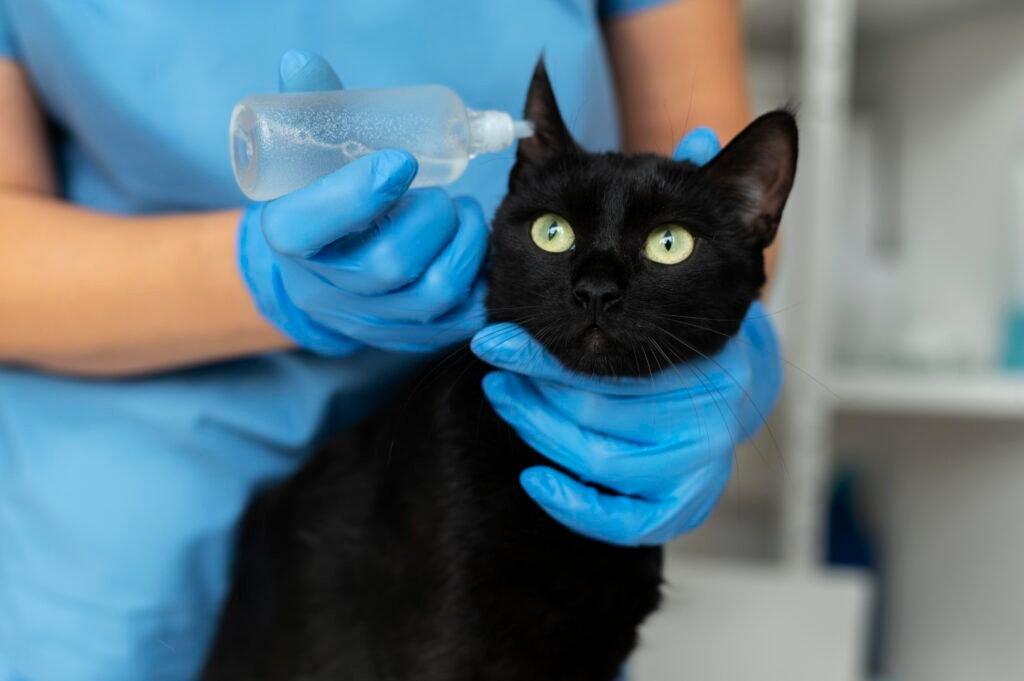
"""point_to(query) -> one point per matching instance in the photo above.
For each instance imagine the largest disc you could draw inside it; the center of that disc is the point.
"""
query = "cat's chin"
(594, 352)
(600, 364)
(594, 340)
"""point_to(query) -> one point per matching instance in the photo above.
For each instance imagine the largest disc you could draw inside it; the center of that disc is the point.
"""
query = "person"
(166, 351)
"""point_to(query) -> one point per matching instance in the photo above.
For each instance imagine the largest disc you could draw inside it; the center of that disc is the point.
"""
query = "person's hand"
(354, 259)
(663, 445)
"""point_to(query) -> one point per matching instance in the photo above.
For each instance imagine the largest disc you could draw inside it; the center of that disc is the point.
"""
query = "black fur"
(407, 549)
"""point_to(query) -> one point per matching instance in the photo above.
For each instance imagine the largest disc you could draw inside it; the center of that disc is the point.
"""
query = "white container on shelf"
(867, 253)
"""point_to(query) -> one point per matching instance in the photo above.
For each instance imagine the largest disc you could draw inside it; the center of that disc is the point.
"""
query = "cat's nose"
(598, 295)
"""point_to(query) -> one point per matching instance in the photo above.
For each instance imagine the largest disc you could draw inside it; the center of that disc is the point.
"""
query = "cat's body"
(407, 549)
(395, 556)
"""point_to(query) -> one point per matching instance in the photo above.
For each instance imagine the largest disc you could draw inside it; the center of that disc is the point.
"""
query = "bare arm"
(89, 293)
(678, 67)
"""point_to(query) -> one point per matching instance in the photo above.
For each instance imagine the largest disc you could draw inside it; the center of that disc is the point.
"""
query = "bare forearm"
(96, 294)
(679, 67)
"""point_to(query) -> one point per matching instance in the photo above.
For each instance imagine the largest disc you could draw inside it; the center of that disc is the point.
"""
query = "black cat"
(407, 549)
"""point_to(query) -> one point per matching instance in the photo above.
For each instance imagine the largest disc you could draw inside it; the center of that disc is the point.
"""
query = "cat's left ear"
(551, 137)
(760, 166)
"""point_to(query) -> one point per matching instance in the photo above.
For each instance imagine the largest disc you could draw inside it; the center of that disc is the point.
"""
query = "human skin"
(96, 294)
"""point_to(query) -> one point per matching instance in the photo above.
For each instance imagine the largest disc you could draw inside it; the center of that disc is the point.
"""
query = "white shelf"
(989, 396)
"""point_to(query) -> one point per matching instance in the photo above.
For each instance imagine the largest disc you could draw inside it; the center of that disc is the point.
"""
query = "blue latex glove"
(664, 444)
(354, 259)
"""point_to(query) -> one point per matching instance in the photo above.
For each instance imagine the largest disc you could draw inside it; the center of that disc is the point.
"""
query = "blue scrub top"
(117, 497)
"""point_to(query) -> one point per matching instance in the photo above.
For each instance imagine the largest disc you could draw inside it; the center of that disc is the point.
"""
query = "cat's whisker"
(732, 378)
(439, 369)
(718, 399)
(738, 339)
(734, 434)
(497, 339)
(435, 371)
(693, 398)
(737, 461)
(766, 315)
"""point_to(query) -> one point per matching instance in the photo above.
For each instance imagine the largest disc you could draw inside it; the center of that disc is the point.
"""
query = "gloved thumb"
(305, 71)
(698, 147)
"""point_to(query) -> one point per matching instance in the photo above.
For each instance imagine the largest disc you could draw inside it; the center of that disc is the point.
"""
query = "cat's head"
(623, 264)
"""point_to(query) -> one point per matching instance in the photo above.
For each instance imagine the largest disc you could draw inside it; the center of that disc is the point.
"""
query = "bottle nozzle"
(522, 129)
(494, 131)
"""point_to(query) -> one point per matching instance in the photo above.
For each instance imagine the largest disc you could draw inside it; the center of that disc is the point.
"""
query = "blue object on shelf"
(851, 544)
(1013, 354)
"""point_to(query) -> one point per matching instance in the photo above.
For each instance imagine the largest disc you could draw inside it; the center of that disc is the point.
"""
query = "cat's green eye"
(669, 245)
(552, 233)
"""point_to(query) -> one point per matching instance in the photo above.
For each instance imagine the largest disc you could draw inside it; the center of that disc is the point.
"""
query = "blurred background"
(877, 530)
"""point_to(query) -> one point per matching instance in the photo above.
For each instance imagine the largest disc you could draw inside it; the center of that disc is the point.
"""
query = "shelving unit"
(943, 460)
(825, 34)
(981, 396)
(938, 86)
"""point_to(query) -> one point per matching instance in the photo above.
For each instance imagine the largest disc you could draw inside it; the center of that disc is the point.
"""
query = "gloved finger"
(511, 347)
(761, 344)
(626, 521)
(447, 282)
(326, 344)
(675, 416)
(452, 275)
(629, 468)
(698, 147)
(305, 71)
(596, 458)
(457, 326)
(741, 382)
(396, 251)
(302, 223)
(539, 425)
(508, 347)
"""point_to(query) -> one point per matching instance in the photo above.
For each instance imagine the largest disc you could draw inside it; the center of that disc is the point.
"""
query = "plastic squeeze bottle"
(282, 142)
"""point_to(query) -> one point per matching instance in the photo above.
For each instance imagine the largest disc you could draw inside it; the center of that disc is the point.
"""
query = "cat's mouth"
(594, 338)
(596, 351)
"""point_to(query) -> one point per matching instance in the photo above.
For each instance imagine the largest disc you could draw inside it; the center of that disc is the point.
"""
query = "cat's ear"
(551, 136)
(760, 166)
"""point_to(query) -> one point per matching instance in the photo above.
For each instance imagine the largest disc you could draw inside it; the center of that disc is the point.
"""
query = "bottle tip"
(522, 129)
(494, 131)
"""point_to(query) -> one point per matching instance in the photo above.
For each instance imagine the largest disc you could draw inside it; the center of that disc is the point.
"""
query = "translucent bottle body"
(282, 142)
